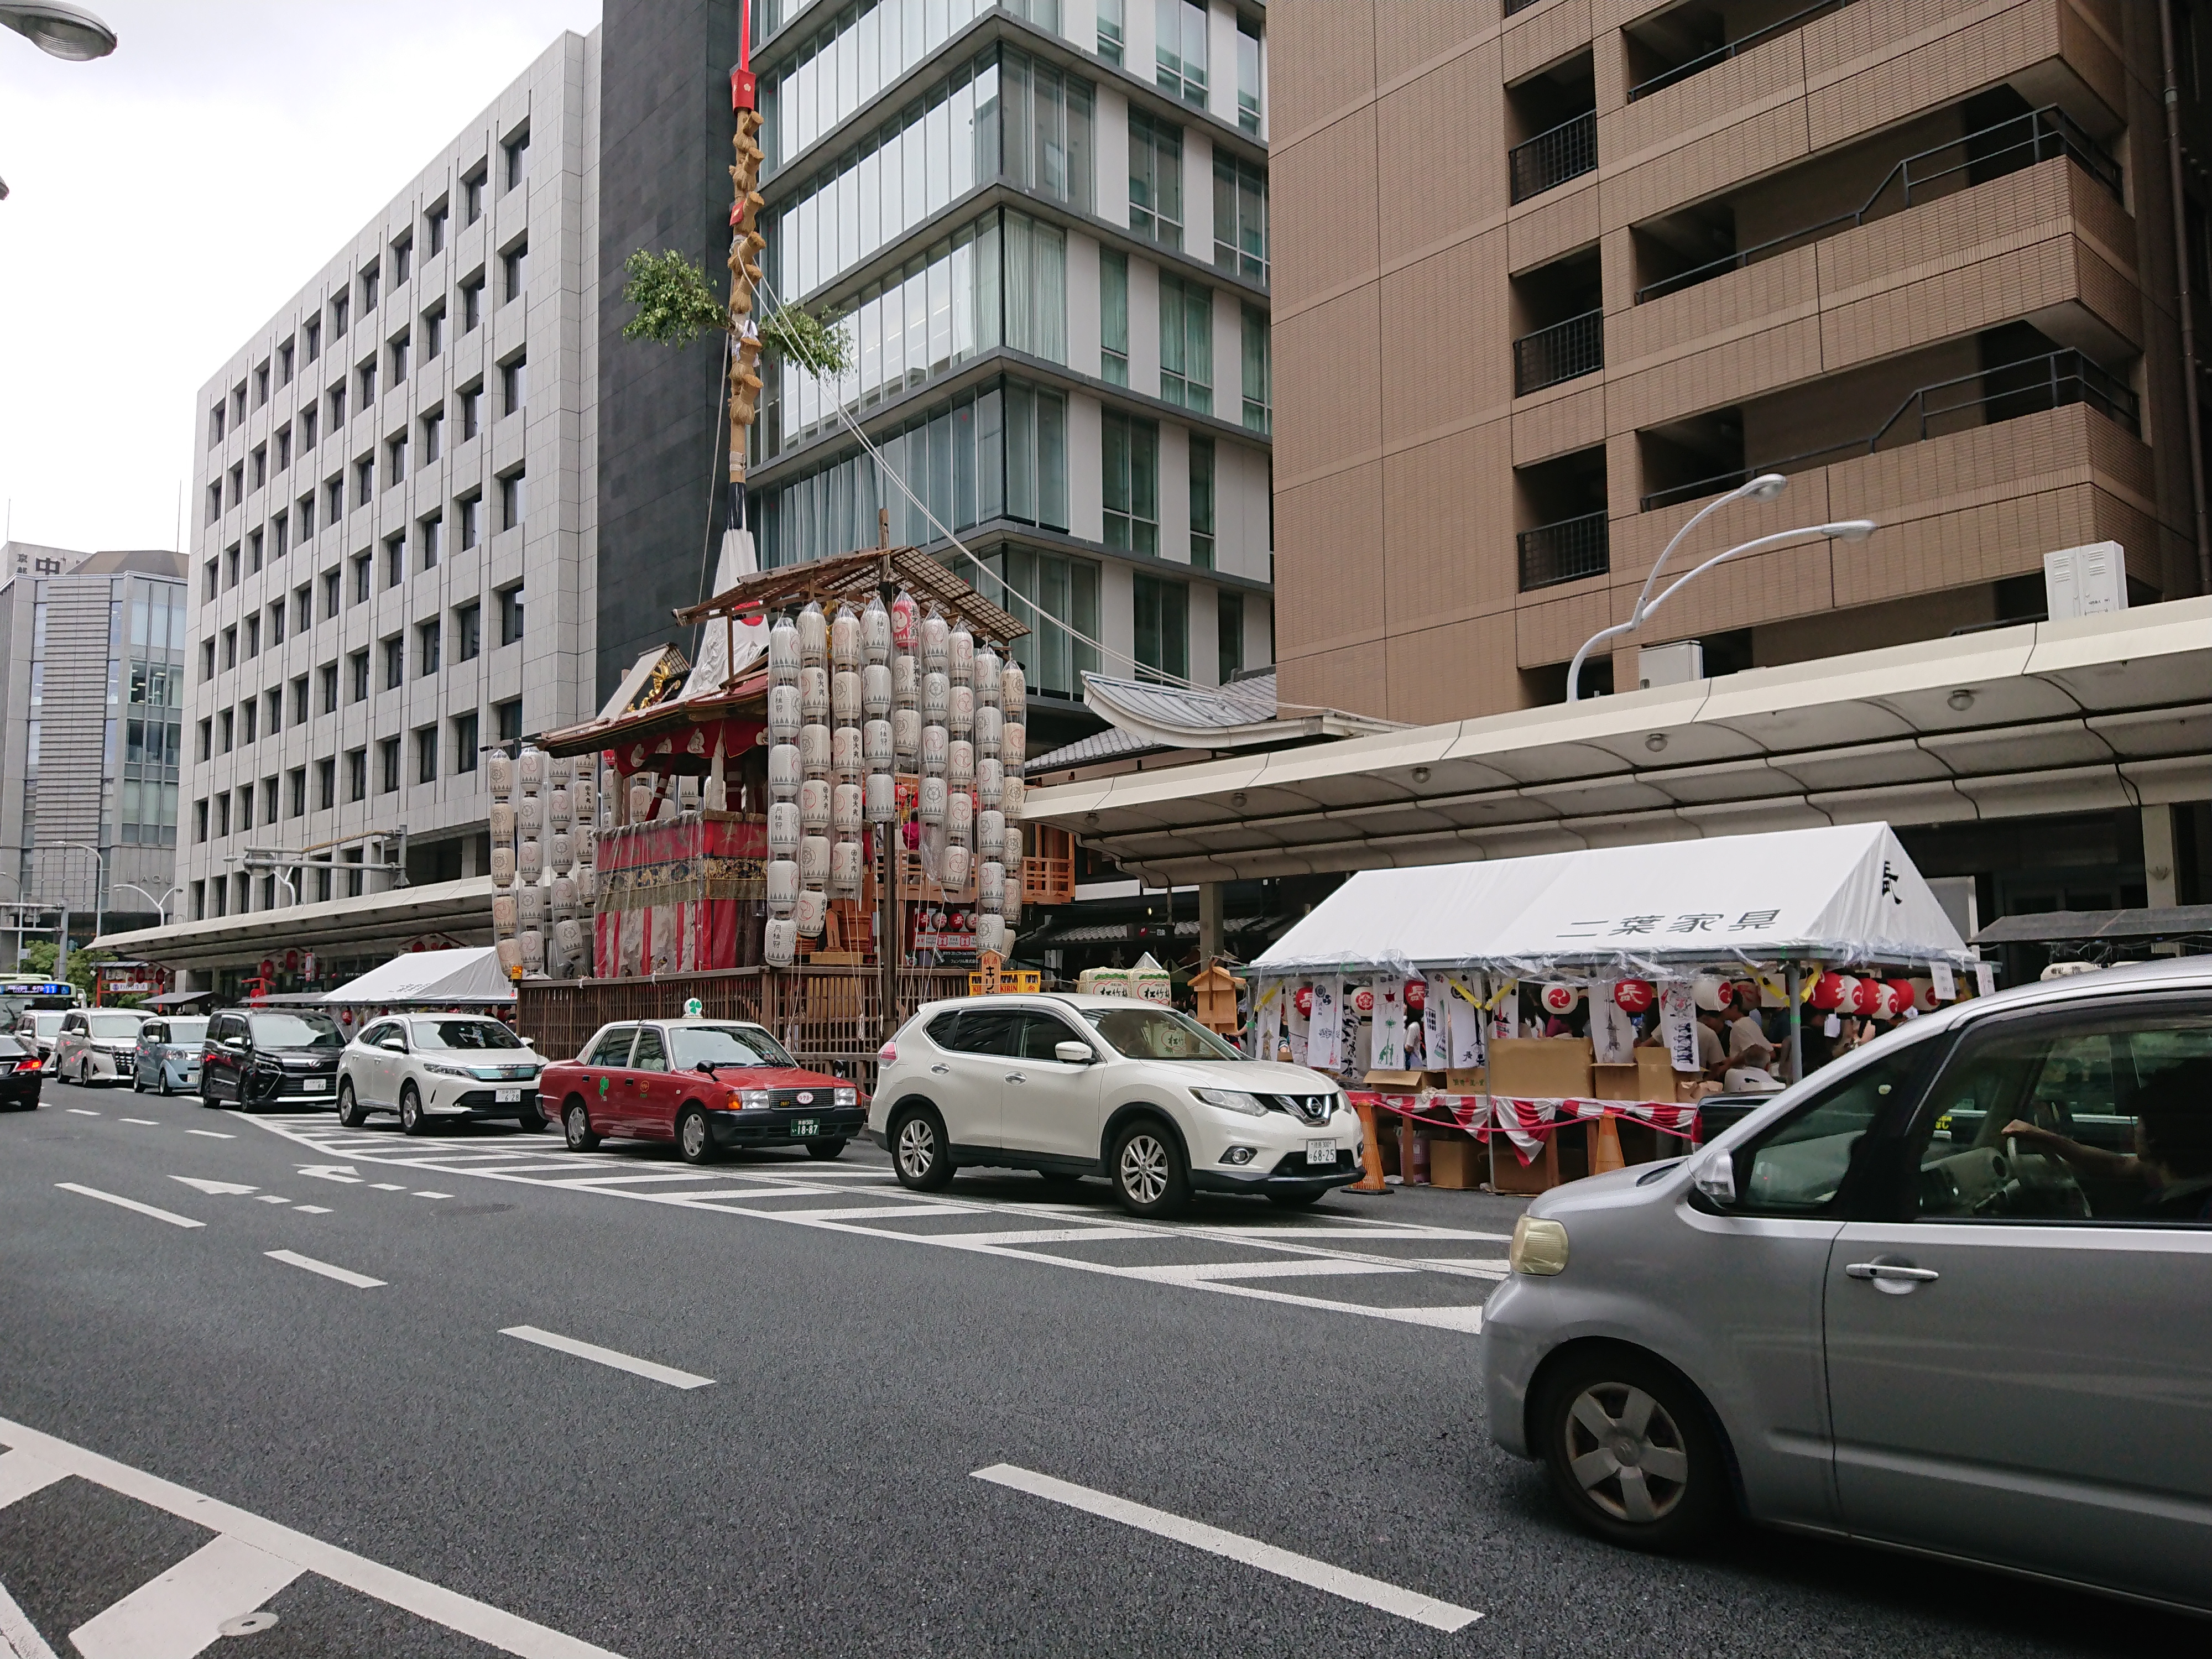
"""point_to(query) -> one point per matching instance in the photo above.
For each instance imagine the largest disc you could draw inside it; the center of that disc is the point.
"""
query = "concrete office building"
(92, 659)
(392, 561)
(1569, 268)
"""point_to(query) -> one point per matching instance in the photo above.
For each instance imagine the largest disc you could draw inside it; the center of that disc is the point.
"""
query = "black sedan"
(21, 1072)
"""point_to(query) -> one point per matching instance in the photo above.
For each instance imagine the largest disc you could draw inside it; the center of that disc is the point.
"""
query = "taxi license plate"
(806, 1128)
(313, 1085)
(507, 1096)
(1321, 1151)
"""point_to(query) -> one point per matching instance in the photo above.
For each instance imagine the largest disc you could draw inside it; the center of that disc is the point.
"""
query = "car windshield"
(1153, 1033)
(462, 1034)
(724, 1045)
(46, 1024)
(115, 1025)
(297, 1031)
(187, 1030)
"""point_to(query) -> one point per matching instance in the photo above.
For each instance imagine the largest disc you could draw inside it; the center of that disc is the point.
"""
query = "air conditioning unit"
(1670, 665)
(2085, 581)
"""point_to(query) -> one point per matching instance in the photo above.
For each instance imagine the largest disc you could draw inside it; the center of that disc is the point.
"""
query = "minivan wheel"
(1147, 1170)
(576, 1127)
(695, 1140)
(918, 1152)
(411, 1119)
(1632, 1452)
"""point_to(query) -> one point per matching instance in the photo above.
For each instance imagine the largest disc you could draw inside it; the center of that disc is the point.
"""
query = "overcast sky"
(165, 199)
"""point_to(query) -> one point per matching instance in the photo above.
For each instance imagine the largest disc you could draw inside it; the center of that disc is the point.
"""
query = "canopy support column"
(1796, 1027)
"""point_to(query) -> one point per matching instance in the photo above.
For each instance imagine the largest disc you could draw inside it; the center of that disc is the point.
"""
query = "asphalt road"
(837, 1363)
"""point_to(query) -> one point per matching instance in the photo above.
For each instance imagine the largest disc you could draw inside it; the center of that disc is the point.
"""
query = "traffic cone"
(1604, 1147)
(1370, 1155)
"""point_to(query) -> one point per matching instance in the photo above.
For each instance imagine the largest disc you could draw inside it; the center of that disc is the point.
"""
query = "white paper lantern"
(529, 906)
(1013, 690)
(503, 864)
(499, 770)
(906, 737)
(568, 939)
(529, 860)
(844, 696)
(530, 815)
(845, 639)
(813, 635)
(1010, 907)
(564, 895)
(510, 956)
(783, 879)
(876, 691)
(960, 710)
(930, 807)
(990, 884)
(936, 697)
(936, 744)
(814, 694)
(990, 728)
(587, 887)
(876, 631)
(783, 772)
(960, 655)
(814, 751)
(783, 828)
(558, 807)
(503, 911)
(588, 844)
(880, 797)
(991, 834)
(959, 815)
(953, 867)
(906, 681)
(784, 717)
(530, 770)
(779, 942)
(813, 905)
(814, 805)
(990, 780)
(845, 859)
(845, 808)
(1011, 794)
(960, 764)
(559, 769)
(845, 757)
(992, 934)
(876, 754)
(813, 861)
(563, 852)
(987, 667)
(936, 643)
(1013, 744)
(783, 653)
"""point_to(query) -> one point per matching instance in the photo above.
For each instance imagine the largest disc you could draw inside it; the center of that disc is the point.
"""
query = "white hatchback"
(1077, 1085)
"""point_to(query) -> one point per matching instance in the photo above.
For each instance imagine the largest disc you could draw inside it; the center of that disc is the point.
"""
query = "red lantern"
(1560, 999)
(1866, 995)
(1903, 995)
(268, 968)
(291, 961)
(1304, 1000)
(1829, 991)
(1417, 995)
(1633, 995)
(1363, 1000)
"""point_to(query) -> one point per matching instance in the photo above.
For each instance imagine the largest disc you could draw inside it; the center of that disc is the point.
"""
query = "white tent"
(1846, 894)
(468, 977)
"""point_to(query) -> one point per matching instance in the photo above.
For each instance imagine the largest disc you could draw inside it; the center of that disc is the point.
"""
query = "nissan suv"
(1080, 1085)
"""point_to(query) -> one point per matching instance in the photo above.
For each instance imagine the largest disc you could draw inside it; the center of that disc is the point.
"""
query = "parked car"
(21, 1072)
(432, 1066)
(1951, 1294)
(95, 1045)
(1078, 1086)
(268, 1057)
(39, 1028)
(168, 1054)
(708, 1085)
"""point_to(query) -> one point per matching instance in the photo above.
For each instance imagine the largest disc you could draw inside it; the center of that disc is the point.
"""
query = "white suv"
(1077, 1085)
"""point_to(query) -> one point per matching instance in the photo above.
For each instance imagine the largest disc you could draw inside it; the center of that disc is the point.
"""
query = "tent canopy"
(471, 975)
(1844, 894)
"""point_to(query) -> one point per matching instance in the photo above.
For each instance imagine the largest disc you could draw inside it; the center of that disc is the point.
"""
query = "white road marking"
(22, 1475)
(18, 1635)
(309, 1209)
(212, 1134)
(342, 1173)
(130, 1204)
(344, 1275)
(181, 1612)
(386, 1187)
(150, 1122)
(433, 1195)
(462, 1613)
(862, 1212)
(1041, 1236)
(1305, 1267)
(1284, 1563)
(215, 1188)
(272, 1198)
(81, 1111)
(621, 1362)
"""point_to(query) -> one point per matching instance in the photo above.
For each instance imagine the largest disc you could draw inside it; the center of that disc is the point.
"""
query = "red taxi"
(707, 1084)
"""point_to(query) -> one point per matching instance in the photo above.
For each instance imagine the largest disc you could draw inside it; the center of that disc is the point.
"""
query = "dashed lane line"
(212, 1134)
(611, 1357)
(81, 1111)
(169, 1215)
(344, 1275)
(144, 1122)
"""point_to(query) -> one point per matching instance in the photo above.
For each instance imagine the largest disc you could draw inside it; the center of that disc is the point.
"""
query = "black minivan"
(274, 1058)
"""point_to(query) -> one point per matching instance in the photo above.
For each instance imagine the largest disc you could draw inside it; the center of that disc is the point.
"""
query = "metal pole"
(2186, 299)
(1796, 1030)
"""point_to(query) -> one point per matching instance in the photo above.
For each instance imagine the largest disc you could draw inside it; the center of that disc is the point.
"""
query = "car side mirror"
(1716, 1178)
(1072, 1054)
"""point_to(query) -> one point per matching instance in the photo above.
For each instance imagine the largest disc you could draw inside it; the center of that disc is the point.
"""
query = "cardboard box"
(1459, 1163)
(1617, 1083)
(1540, 1068)
(1657, 1074)
(1393, 1083)
(1464, 1083)
(1509, 1175)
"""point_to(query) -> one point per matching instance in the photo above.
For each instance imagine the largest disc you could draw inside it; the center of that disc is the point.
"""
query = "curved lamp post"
(60, 31)
(160, 905)
(1764, 488)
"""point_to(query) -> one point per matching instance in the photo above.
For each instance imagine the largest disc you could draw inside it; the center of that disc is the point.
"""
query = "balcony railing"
(2017, 141)
(1564, 552)
(2026, 387)
(1704, 61)
(1550, 158)
(1565, 351)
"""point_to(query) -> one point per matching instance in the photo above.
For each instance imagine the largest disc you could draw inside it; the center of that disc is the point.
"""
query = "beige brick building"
(1547, 282)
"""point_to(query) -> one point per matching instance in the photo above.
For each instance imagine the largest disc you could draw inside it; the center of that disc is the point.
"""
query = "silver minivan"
(1951, 1295)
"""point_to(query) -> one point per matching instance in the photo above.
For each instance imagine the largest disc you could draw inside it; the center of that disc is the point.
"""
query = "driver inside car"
(2174, 1144)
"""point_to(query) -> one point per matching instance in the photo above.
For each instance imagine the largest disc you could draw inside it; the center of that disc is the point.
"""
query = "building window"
(508, 717)
(249, 722)
(1229, 633)
(253, 547)
(428, 535)
(468, 632)
(336, 400)
(1248, 77)
(283, 446)
(1163, 628)
(403, 257)
(1240, 217)
(222, 815)
(471, 303)
(395, 353)
(313, 332)
(277, 528)
(510, 503)
(333, 501)
(1114, 316)
(469, 510)
(230, 646)
(339, 313)
(361, 563)
(1112, 30)
(365, 384)
(433, 230)
(513, 385)
(215, 427)
(199, 899)
(1258, 372)
(244, 818)
(472, 197)
(303, 608)
(1058, 598)
(395, 559)
(513, 272)
(464, 742)
(297, 778)
(368, 288)
(1179, 50)
(515, 153)
(1186, 343)
(395, 662)
(357, 775)
(304, 516)
(1155, 179)
(510, 614)
(207, 740)
(364, 480)
(472, 398)
(276, 624)
(215, 501)
(395, 460)
(428, 639)
(357, 665)
(327, 678)
(426, 754)
(333, 588)
(434, 435)
(388, 765)
(1130, 463)
(1201, 501)
(209, 577)
(307, 427)
(238, 483)
(326, 786)
(434, 332)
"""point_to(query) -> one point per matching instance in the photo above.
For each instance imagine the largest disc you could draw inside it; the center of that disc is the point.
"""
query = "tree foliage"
(804, 341)
(674, 304)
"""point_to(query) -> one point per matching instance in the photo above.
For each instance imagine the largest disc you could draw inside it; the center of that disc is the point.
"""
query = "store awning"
(442, 977)
(2106, 712)
(347, 927)
(1845, 894)
(2169, 921)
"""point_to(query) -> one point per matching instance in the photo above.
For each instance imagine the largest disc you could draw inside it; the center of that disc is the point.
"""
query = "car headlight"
(847, 1097)
(1232, 1100)
(1538, 1248)
(448, 1071)
(752, 1100)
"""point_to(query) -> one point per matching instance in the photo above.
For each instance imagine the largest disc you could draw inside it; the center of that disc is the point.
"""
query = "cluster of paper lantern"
(1844, 993)
(543, 811)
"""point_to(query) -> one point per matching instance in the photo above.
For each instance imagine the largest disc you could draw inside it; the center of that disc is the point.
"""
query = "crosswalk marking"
(181, 1612)
(22, 1475)
(1343, 1249)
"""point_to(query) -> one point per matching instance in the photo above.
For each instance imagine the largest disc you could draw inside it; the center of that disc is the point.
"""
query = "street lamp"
(60, 31)
(1764, 488)
(99, 901)
(160, 905)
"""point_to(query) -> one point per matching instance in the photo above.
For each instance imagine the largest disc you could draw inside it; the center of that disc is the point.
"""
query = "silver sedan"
(1951, 1295)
